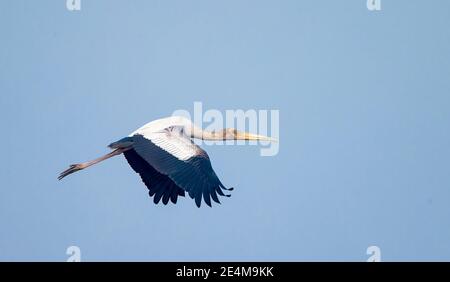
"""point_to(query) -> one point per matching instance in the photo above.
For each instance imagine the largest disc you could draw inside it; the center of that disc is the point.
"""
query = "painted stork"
(169, 162)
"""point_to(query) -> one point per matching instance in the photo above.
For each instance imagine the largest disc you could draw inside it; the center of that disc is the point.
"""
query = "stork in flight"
(169, 162)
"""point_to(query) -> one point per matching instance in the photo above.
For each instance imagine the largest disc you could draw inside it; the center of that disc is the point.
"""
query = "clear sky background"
(364, 101)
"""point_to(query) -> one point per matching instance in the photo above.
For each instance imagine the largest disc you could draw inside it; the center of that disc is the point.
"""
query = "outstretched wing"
(160, 186)
(173, 154)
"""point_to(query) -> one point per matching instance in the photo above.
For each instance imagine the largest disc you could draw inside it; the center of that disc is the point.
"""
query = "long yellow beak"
(254, 137)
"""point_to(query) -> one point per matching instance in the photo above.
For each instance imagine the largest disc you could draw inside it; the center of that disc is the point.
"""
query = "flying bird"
(169, 163)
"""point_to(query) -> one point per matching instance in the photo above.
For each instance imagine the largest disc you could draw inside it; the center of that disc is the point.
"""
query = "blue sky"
(364, 128)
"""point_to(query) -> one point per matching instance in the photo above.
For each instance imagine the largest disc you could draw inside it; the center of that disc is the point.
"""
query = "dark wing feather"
(186, 164)
(159, 185)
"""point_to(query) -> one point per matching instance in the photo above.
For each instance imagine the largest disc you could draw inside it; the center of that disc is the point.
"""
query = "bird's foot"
(73, 168)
